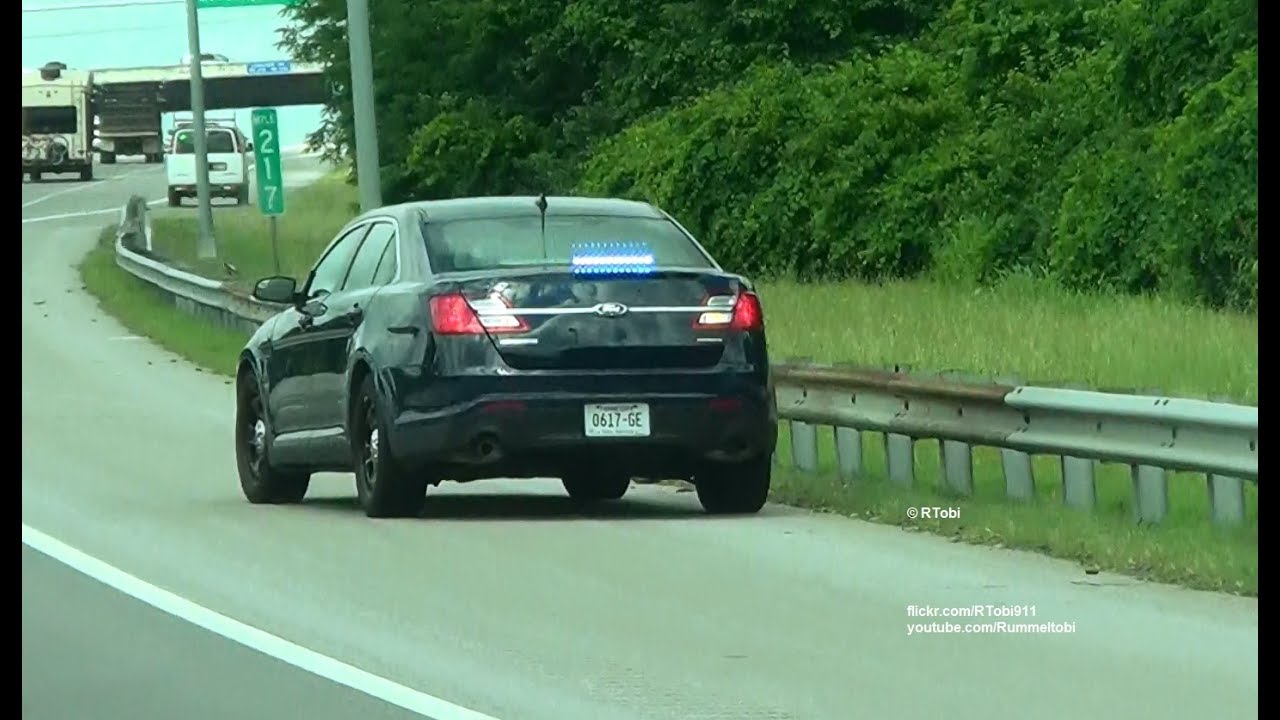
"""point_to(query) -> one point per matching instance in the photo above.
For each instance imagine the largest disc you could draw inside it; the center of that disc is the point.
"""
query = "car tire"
(35, 177)
(107, 158)
(386, 487)
(261, 483)
(734, 488)
(593, 487)
(175, 200)
(86, 175)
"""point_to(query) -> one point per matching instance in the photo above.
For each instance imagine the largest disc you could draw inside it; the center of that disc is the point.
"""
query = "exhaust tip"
(486, 448)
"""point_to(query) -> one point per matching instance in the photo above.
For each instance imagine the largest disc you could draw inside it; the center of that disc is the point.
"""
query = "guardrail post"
(900, 450)
(957, 465)
(1150, 493)
(1078, 485)
(900, 458)
(1019, 474)
(1019, 477)
(1226, 499)
(804, 446)
(1226, 494)
(848, 452)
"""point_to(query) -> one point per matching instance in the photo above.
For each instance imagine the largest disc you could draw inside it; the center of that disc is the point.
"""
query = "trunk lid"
(585, 321)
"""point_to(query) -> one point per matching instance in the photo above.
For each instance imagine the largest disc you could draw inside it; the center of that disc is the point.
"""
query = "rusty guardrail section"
(1150, 434)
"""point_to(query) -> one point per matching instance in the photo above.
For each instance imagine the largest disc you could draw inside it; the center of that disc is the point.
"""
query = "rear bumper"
(473, 427)
(215, 189)
(67, 166)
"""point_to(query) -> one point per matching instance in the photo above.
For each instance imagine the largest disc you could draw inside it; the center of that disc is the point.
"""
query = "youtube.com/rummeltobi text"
(982, 619)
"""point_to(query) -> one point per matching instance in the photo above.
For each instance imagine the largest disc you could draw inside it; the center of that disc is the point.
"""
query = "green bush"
(1005, 141)
(1102, 144)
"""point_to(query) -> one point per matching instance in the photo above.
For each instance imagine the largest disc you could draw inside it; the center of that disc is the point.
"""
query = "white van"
(228, 163)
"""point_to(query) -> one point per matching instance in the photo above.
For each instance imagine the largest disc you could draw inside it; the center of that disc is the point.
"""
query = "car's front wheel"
(385, 486)
(260, 482)
(734, 488)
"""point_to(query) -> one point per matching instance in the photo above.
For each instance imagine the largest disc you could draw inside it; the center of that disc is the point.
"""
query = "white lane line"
(307, 178)
(86, 213)
(56, 193)
(75, 188)
(308, 660)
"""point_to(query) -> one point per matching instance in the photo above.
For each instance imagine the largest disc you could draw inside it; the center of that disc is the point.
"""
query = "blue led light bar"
(612, 258)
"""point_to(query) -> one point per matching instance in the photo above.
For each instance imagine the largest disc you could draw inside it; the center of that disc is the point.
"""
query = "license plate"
(217, 166)
(617, 420)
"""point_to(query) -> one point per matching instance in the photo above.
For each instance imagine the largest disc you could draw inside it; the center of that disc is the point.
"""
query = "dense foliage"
(1103, 143)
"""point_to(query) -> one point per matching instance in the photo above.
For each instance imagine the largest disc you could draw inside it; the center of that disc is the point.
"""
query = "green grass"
(1185, 548)
(145, 311)
(1021, 328)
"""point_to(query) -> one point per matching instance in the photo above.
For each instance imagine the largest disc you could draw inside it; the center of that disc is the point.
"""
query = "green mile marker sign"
(266, 150)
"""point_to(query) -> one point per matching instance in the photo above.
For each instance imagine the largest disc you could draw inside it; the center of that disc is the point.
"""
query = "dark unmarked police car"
(593, 340)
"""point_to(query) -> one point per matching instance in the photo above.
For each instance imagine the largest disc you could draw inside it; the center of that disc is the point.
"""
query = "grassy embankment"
(1020, 328)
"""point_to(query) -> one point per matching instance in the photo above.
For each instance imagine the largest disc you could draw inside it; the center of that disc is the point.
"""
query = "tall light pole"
(206, 247)
(362, 101)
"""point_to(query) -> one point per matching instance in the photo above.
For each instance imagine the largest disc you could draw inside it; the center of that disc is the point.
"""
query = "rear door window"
(371, 251)
(332, 270)
(219, 141)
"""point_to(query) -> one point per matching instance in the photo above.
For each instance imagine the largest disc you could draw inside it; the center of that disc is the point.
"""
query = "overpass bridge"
(130, 101)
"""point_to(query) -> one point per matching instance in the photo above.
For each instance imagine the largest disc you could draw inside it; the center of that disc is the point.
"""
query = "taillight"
(747, 313)
(724, 311)
(453, 314)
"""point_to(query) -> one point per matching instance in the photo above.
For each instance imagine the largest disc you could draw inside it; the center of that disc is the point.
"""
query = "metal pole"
(206, 248)
(275, 245)
(362, 102)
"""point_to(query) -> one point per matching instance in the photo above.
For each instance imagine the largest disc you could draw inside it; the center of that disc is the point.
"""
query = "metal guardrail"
(1150, 434)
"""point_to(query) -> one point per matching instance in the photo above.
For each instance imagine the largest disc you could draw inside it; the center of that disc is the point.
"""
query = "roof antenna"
(542, 208)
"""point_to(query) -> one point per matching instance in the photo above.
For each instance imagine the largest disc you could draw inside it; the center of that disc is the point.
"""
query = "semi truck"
(57, 122)
(128, 108)
(130, 102)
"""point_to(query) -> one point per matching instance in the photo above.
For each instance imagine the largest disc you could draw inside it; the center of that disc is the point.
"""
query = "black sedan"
(593, 340)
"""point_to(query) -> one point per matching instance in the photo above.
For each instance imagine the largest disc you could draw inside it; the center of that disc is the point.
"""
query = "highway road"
(152, 590)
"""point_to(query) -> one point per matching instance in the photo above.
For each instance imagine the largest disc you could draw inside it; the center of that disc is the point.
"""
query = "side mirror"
(277, 289)
(248, 147)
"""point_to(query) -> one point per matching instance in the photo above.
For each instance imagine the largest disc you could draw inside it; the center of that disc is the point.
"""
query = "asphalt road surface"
(503, 600)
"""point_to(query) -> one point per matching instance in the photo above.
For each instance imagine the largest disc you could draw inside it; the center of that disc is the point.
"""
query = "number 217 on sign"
(268, 170)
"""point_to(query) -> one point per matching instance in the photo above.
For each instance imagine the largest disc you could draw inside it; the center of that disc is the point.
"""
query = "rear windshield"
(49, 120)
(220, 141)
(495, 243)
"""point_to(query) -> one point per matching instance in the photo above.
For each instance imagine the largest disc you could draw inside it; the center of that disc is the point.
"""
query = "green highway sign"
(267, 166)
(240, 3)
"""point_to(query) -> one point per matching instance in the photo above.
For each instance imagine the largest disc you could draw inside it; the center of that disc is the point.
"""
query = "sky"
(102, 34)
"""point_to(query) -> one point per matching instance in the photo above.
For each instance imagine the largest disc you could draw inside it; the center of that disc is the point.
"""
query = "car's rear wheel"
(386, 487)
(260, 482)
(734, 488)
(595, 486)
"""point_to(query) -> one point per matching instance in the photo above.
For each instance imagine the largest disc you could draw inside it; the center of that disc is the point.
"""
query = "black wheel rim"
(369, 445)
(254, 429)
